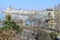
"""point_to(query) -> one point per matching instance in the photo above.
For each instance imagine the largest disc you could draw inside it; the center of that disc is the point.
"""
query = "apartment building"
(30, 16)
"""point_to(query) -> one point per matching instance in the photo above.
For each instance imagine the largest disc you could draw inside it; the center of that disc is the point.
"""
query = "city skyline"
(27, 4)
(29, 19)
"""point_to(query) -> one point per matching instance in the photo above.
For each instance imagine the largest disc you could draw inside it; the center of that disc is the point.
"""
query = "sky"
(28, 4)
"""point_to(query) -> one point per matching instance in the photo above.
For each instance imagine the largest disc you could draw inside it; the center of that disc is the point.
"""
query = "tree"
(11, 24)
(42, 35)
(10, 28)
(39, 22)
(53, 36)
(57, 17)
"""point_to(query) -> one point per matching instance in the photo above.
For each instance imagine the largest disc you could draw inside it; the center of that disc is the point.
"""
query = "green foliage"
(5, 28)
(9, 24)
(8, 18)
(53, 35)
(15, 26)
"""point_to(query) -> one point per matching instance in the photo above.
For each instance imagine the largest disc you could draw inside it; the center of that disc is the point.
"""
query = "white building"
(24, 14)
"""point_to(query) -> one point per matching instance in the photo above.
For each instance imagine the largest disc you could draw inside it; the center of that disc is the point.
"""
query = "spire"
(9, 8)
(20, 9)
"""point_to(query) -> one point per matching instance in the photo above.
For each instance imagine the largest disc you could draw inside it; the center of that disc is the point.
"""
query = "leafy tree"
(10, 24)
(10, 27)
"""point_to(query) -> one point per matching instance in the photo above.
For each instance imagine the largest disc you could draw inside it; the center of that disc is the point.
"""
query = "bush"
(53, 35)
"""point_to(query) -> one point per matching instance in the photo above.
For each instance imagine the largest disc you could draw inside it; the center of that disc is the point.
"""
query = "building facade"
(29, 16)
